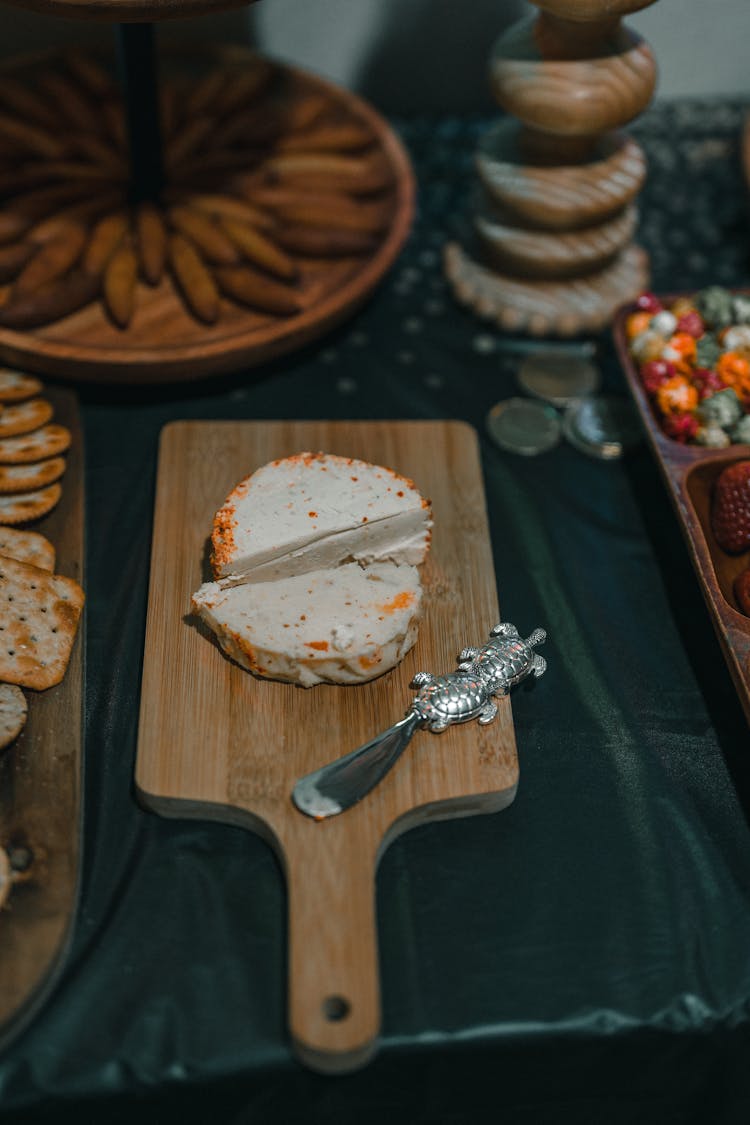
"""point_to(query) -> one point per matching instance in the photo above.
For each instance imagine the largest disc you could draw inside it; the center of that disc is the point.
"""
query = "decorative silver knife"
(457, 697)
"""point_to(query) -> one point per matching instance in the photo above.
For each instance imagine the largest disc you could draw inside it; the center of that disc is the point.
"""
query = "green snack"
(741, 431)
(715, 305)
(712, 436)
(707, 350)
(741, 309)
(722, 409)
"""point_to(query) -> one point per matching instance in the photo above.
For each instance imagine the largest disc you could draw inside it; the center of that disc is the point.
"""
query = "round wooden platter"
(163, 342)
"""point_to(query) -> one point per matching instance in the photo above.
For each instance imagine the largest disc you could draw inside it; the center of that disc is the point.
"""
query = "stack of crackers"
(31, 448)
(39, 610)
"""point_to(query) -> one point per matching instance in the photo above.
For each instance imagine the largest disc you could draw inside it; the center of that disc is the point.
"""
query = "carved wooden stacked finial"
(551, 250)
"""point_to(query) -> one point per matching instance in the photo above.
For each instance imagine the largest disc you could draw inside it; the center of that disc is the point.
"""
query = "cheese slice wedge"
(342, 625)
(315, 564)
(316, 510)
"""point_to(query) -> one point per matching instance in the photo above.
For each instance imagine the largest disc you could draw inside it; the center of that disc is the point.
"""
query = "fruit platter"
(686, 358)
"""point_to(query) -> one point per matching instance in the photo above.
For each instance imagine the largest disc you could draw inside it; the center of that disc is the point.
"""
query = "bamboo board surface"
(40, 784)
(216, 742)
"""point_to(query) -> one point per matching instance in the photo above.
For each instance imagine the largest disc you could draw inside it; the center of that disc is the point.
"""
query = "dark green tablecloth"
(582, 956)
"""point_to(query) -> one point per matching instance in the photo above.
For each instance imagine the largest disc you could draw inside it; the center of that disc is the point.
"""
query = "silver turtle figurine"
(466, 693)
(483, 672)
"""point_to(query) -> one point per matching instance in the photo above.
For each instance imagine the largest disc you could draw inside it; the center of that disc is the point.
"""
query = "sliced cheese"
(341, 625)
(316, 510)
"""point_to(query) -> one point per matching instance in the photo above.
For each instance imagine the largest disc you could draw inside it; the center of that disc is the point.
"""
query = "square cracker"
(38, 624)
(27, 547)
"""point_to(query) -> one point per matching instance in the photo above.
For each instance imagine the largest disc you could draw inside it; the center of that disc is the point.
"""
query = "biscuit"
(23, 507)
(27, 547)
(27, 478)
(13, 712)
(23, 417)
(40, 619)
(16, 386)
(48, 441)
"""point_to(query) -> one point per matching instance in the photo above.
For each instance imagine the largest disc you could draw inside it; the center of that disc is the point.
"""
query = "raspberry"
(691, 323)
(656, 372)
(730, 508)
(681, 426)
(707, 382)
(647, 302)
(741, 588)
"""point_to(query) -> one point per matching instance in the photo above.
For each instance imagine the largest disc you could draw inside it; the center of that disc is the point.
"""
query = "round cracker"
(23, 507)
(13, 711)
(23, 417)
(27, 478)
(15, 386)
(27, 547)
(48, 441)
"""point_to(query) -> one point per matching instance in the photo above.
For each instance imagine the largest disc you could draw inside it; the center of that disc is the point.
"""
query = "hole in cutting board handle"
(336, 1008)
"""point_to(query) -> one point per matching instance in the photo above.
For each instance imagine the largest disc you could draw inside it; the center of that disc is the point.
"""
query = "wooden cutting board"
(40, 784)
(216, 742)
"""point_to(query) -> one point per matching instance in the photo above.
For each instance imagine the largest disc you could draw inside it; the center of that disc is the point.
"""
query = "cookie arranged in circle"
(13, 712)
(23, 417)
(48, 441)
(26, 478)
(15, 386)
(40, 619)
(27, 547)
(24, 507)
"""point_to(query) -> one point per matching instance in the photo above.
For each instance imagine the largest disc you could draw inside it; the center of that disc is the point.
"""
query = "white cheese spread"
(315, 559)
(343, 625)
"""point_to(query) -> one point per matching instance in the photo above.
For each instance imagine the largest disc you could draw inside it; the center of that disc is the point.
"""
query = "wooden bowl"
(163, 343)
(690, 473)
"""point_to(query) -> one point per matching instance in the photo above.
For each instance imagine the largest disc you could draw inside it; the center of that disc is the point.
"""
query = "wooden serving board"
(690, 472)
(40, 784)
(216, 742)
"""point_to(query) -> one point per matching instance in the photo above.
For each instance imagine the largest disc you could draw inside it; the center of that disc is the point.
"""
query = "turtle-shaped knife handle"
(467, 693)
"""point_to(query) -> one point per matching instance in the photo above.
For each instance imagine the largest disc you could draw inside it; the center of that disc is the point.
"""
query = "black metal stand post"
(137, 63)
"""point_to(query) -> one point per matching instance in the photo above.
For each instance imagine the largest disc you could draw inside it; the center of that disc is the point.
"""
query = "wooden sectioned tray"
(690, 472)
(40, 785)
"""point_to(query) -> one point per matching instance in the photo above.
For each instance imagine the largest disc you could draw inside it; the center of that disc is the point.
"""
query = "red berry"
(680, 427)
(742, 591)
(692, 323)
(730, 508)
(656, 372)
(648, 302)
(707, 382)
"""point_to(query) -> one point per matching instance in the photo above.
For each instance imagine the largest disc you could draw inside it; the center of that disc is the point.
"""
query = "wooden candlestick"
(550, 252)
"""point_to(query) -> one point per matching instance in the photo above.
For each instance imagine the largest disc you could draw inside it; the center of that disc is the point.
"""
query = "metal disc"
(523, 426)
(603, 426)
(558, 378)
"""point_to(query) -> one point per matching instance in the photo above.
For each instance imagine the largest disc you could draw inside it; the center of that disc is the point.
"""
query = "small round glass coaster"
(558, 378)
(603, 426)
(521, 425)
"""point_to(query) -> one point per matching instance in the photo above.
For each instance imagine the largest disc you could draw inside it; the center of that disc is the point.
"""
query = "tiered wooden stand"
(162, 221)
(550, 250)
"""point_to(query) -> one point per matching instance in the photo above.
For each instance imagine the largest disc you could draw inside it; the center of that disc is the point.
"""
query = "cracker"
(23, 507)
(16, 386)
(48, 441)
(26, 478)
(23, 417)
(27, 547)
(38, 624)
(13, 712)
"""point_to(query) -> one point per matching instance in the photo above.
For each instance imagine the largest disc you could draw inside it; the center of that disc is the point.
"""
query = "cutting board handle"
(334, 991)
